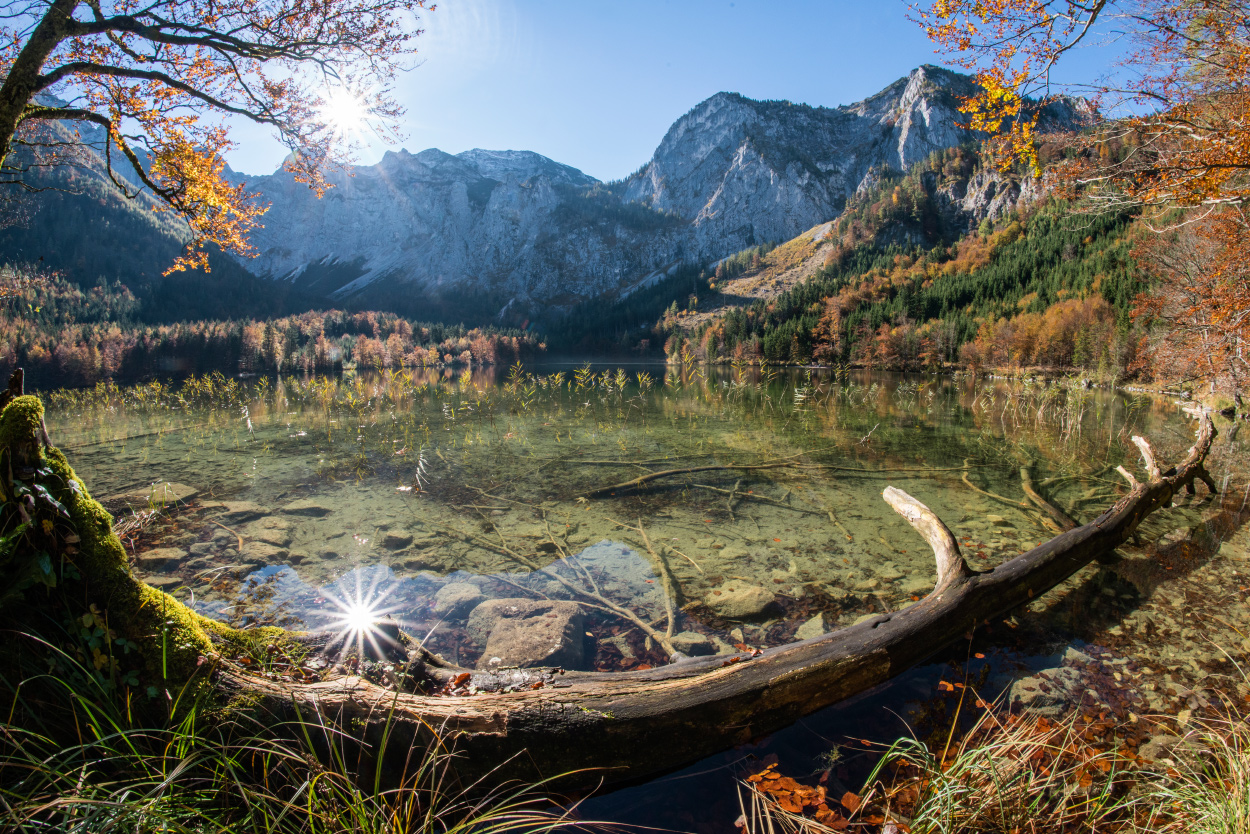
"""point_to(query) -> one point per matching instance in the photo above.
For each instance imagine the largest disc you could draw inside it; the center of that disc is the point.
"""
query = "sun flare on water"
(358, 617)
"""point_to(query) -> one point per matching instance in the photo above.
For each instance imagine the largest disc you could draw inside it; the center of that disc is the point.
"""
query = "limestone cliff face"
(505, 227)
(744, 172)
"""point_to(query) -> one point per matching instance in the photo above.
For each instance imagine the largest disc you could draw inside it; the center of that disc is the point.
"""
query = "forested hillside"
(1044, 286)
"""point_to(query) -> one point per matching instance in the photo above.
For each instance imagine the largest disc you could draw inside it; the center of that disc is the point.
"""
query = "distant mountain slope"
(952, 262)
(744, 171)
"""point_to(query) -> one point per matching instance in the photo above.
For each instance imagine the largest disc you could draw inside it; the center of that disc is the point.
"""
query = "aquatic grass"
(1009, 773)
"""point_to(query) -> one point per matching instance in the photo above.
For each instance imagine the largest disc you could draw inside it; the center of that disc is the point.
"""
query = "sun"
(357, 621)
(344, 111)
(358, 617)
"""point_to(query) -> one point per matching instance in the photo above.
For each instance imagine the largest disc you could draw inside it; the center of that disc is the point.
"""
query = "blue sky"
(595, 84)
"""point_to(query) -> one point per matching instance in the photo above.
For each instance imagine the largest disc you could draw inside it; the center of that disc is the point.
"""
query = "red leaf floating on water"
(850, 801)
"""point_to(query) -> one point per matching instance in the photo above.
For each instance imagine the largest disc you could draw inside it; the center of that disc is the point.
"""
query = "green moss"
(21, 421)
(171, 638)
(170, 635)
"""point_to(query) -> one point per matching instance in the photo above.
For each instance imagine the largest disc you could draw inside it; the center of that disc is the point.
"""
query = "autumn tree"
(1183, 152)
(147, 85)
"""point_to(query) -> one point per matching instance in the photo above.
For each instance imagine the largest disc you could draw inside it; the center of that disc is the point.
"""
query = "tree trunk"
(624, 726)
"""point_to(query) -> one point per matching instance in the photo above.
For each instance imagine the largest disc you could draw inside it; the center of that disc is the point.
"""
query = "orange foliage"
(158, 78)
(1198, 317)
(1189, 69)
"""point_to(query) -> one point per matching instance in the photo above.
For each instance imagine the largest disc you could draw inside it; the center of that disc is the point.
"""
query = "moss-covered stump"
(64, 573)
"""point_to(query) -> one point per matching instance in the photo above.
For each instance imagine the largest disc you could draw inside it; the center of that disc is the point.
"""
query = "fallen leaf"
(461, 679)
(850, 801)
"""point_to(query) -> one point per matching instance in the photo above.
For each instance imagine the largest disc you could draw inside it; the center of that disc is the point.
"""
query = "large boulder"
(527, 633)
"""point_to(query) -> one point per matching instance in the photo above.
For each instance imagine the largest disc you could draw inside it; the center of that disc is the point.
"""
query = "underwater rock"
(889, 573)
(159, 558)
(527, 633)
(739, 601)
(692, 644)
(240, 510)
(270, 530)
(1049, 691)
(204, 548)
(164, 583)
(455, 600)
(814, 627)
(997, 520)
(263, 553)
(307, 506)
(917, 586)
(154, 495)
(396, 541)
(430, 560)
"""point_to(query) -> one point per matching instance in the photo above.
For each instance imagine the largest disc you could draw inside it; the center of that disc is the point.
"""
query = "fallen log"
(593, 727)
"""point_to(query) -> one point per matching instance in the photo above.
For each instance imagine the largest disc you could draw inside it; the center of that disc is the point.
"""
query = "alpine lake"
(624, 512)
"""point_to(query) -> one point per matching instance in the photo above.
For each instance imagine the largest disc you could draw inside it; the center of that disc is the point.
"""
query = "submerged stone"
(815, 627)
(397, 540)
(240, 510)
(263, 553)
(160, 494)
(270, 530)
(307, 506)
(917, 586)
(740, 601)
(159, 558)
(527, 633)
(456, 600)
(692, 644)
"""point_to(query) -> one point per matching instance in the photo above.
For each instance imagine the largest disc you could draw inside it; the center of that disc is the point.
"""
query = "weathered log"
(594, 726)
(628, 725)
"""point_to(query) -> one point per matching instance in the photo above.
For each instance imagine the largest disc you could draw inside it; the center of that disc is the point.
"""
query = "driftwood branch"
(628, 725)
(642, 480)
(1058, 519)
